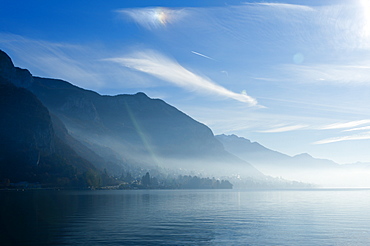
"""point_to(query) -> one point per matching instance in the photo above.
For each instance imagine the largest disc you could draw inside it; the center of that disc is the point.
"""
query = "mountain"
(302, 167)
(116, 133)
(29, 148)
(251, 151)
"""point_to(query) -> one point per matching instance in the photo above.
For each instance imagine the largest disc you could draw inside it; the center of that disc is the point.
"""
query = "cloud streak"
(283, 6)
(345, 125)
(361, 136)
(358, 73)
(358, 129)
(352, 127)
(199, 54)
(164, 68)
(285, 129)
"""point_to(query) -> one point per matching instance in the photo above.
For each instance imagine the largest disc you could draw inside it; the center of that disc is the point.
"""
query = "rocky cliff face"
(26, 134)
(25, 126)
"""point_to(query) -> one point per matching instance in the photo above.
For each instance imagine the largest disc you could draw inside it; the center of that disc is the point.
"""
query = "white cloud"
(164, 68)
(153, 18)
(199, 54)
(285, 129)
(358, 129)
(361, 136)
(358, 73)
(345, 124)
(237, 119)
(284, 6)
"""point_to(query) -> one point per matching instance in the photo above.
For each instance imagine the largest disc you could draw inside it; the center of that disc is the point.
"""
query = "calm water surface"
(185, 217)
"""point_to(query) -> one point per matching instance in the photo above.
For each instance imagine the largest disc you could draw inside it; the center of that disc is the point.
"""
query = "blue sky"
(291, 75)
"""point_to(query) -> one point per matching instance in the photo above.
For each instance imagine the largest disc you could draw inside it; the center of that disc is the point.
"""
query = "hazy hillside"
(267, 159)
(253, 151)
(302, 167)
(118, 132)
(135, 128)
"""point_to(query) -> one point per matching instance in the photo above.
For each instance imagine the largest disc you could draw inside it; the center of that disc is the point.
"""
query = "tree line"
(180, 182)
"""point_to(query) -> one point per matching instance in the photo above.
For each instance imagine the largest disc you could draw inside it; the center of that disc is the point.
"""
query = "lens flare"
(161, 16)
(298, 58)
(144, 139)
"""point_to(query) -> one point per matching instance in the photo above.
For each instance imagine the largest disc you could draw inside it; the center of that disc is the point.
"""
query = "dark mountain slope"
(25, 131)
(29, 148)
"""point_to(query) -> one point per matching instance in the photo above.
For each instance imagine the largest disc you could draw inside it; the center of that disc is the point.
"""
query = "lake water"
(185, 217)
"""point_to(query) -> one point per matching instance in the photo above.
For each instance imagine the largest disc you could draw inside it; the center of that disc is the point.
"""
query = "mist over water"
(186, 217)
(341, 177)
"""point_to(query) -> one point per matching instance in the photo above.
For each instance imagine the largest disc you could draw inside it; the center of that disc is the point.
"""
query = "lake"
(185, 217)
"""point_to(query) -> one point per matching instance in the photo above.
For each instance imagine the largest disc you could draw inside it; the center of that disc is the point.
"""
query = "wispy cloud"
(164, 68)
(153, 18)
(285, 129)
(284, 6)
(51, 59)
(199, 54)
(328, 73)
(352, 127)
(343, 125)
(78, 64)
(361, 136)
(358, 129)
(247, 121)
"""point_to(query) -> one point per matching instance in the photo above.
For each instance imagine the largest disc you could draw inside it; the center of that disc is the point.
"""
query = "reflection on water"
(194, 217)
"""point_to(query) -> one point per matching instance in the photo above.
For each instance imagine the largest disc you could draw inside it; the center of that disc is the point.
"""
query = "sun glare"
(365, 6)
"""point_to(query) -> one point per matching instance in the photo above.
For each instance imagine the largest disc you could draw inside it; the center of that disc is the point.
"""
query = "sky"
(293, 75)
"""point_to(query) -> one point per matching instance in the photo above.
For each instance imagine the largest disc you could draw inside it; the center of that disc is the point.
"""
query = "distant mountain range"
(270, 161)
(302, 167)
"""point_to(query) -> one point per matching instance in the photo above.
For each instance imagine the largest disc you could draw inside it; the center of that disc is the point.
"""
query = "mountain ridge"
(128, 129)
(244, 148)
(302, 167)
